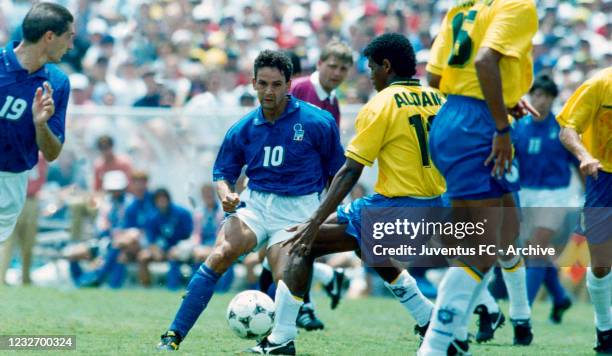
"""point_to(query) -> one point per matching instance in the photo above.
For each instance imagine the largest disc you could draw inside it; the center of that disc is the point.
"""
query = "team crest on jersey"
(445, 316)
(298, 132)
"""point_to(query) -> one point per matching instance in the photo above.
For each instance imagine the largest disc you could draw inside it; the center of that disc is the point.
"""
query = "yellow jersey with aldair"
(506, 26)
(589, 112)
(393, 128)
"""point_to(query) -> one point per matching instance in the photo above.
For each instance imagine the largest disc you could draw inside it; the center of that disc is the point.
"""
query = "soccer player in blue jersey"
(291, 150)
(389, 129)
(33, 99)
(543, 186)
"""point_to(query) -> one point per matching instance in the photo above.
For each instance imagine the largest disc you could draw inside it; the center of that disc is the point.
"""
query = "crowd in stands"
(198, 55)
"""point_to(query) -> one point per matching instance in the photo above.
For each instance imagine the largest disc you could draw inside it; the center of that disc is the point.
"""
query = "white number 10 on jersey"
(273, 156)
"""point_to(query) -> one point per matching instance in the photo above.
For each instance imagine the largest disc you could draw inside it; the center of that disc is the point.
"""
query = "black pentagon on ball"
(245, 321)
(231, 315)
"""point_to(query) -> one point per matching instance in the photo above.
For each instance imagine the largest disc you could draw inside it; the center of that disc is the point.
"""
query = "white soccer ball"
(251, 314)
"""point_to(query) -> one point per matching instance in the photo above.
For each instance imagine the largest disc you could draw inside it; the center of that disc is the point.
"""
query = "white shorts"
(268, 214)
(544, 208)
(13, 189)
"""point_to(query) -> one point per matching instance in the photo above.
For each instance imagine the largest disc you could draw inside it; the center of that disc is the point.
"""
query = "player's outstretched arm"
(343, 182)
(43, 108)
(571, 140)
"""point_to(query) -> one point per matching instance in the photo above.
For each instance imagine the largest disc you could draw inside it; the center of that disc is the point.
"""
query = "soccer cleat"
(265, 347)
(522, 332)
(604, 342)
(170, 341)
(556, 314)
(307, 319)
(488, 323)
(335, 288)
(458, 348)
(420, 332)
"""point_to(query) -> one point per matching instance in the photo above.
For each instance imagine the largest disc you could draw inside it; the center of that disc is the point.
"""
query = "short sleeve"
(57, 122)
(230, 158)
(370, 128)
(513, 26)
(580, 109)
(440, 51)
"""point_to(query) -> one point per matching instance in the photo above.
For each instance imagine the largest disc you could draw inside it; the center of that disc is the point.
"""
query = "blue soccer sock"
(553, 284)
(199, 291)
(173, 278)
(117, 275)
(75, 271)
(535, 278)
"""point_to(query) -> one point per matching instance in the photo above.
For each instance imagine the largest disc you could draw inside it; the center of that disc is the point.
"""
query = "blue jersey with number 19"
(18, 148)
(295, 155)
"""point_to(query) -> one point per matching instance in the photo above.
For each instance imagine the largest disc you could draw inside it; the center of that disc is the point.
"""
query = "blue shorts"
(350, 214)
(596, 218)
(460, 141)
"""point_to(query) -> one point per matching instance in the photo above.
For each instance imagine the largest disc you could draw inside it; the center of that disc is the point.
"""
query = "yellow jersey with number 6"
(393, 128)
(506, 26)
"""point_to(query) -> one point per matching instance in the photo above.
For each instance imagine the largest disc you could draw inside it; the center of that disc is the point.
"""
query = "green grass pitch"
(129, 322)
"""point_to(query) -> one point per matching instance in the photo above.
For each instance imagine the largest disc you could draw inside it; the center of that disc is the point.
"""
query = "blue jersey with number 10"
(18, 148)
(293, 156)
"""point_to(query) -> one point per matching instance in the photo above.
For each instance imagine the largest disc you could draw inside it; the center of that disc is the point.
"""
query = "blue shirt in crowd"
(166, 230)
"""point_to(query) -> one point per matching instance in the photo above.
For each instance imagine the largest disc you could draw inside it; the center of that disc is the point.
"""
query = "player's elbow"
(52, 155)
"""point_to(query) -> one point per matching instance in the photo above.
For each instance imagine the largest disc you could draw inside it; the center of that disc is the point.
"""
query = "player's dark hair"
(395, 48)
(274, 59)
(546, 84)
(44, 17)
(104, 141)
(162, 192)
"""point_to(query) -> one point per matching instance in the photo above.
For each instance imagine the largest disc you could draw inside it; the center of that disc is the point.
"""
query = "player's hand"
(501, 155)
(522, 108)
(43, 106)
(304, 237)
(590, 166)
(230, 202)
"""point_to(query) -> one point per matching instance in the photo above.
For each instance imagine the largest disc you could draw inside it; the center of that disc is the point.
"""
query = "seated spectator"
(169, 225)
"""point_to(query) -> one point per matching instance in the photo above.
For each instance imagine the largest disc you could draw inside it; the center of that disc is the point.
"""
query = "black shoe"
(420, 331)
(265, 347)
(307, 319)
(604, 342)
(170, 341)
(556, 314)
(488, 323)
(335, 288)
(458, 348)
(522, 332)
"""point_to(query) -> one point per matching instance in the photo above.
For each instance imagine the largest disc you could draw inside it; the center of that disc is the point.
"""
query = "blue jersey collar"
(12, 63)
(292, 105)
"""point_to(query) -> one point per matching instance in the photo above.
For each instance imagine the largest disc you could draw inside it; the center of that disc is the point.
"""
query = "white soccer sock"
(600, 290)
(405, 289)
(515, 278)
(477, 297)
(454, 296)
(287, 308)
(322, 273)
(485, 298)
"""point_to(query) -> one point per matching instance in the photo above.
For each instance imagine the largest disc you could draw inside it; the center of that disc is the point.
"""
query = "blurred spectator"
(109, 161)
(168, 225)
(153, 95)
(319, 88)
(27, 225)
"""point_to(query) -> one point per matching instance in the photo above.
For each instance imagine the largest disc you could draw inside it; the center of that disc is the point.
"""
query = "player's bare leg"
(599, 284)
(234, 240)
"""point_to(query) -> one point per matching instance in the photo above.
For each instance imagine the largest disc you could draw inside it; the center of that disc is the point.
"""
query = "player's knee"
(222, 257)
